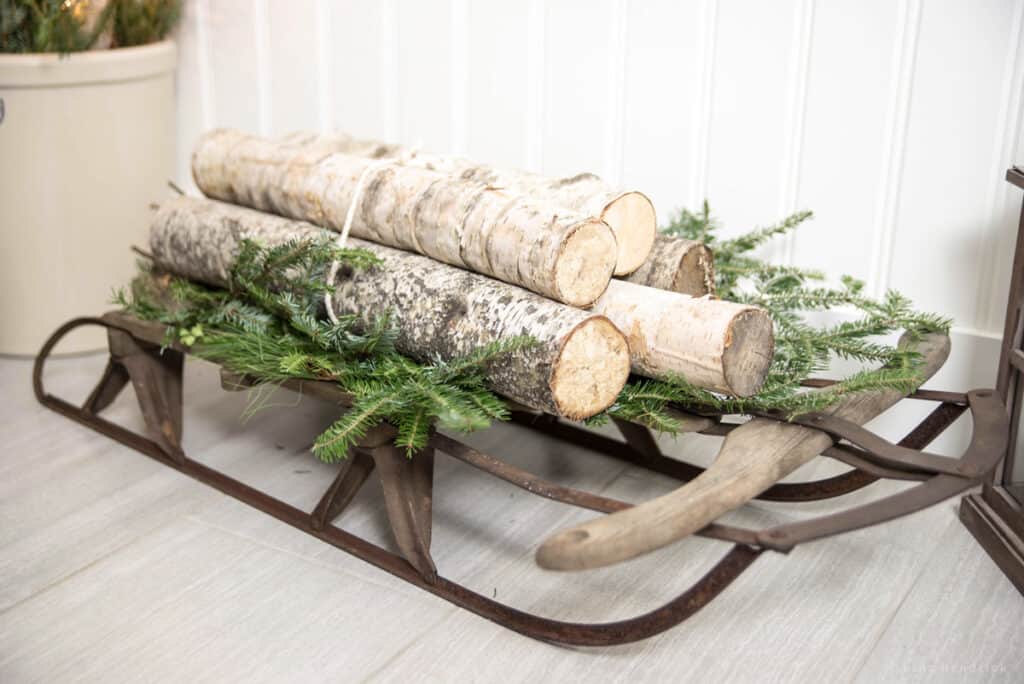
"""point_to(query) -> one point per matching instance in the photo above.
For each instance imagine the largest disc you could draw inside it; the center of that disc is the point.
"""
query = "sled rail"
(138, 354)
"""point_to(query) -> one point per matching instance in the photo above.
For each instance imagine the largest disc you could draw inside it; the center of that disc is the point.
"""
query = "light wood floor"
(113, 568)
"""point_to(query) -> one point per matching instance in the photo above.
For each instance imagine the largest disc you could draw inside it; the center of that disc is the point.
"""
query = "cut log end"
(696, 275)
(591, 369)
(749, 347)
(585, 263)
(632, 219)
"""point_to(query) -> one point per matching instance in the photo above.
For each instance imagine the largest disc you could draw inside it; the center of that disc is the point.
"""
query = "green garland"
(59, 25)
(268, 324)
(801, 350)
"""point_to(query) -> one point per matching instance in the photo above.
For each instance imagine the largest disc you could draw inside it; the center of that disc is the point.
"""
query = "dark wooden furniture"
(995, 516)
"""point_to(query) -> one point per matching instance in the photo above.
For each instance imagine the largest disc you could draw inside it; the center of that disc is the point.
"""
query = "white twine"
(371, 169)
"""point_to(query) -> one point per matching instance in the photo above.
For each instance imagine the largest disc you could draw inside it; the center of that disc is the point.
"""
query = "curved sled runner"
(156, 375)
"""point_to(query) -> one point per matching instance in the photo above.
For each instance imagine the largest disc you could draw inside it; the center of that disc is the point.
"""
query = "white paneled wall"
(892, 119)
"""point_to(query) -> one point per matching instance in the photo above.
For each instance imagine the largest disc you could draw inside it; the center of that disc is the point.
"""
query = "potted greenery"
(87, 143)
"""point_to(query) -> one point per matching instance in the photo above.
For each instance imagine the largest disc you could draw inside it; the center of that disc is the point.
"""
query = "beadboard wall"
(893, 120)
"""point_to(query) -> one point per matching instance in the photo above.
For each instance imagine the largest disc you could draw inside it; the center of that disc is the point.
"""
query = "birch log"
(545, 248)
(753, 457)
(576, 370)
(678, 265)
(629, 213)
(722, 346)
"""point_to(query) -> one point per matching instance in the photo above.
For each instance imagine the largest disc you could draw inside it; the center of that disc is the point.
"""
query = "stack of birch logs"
(470, 255)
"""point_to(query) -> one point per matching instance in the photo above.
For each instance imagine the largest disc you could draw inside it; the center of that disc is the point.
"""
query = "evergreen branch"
(451, 406)
(414, 430)
(268, 325)
(693, 226)
(801, 350)
(759, 236)
(483, 355)
(60, 26)
(337, 440)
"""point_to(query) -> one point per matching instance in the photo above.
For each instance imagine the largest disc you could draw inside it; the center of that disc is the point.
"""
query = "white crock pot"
(87, 143)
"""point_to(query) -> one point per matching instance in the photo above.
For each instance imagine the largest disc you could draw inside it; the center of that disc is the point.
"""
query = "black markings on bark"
(562, 182)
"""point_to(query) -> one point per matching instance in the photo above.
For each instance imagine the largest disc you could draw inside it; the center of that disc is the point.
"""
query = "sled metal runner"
(136, 357)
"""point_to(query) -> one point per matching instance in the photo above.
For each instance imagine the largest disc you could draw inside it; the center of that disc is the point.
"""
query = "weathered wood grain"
(753, 457)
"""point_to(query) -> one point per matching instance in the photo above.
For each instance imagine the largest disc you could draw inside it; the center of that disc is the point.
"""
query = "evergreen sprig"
(801, 350)
(268, 325)
(62, 25)
(759, 236)
(138, 22)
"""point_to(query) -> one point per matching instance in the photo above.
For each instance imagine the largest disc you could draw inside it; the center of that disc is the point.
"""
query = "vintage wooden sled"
(136, 357)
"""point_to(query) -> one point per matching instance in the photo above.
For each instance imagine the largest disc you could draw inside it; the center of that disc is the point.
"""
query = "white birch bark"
(564, 255)
(678, 265)
(629, 213)
(576, 370)
(722, 346)
(716, 345)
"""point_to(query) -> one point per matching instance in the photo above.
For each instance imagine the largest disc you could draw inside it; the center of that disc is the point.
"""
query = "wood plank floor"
(115, 569)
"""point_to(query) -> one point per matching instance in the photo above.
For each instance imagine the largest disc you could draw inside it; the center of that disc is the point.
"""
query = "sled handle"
(752, 458)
